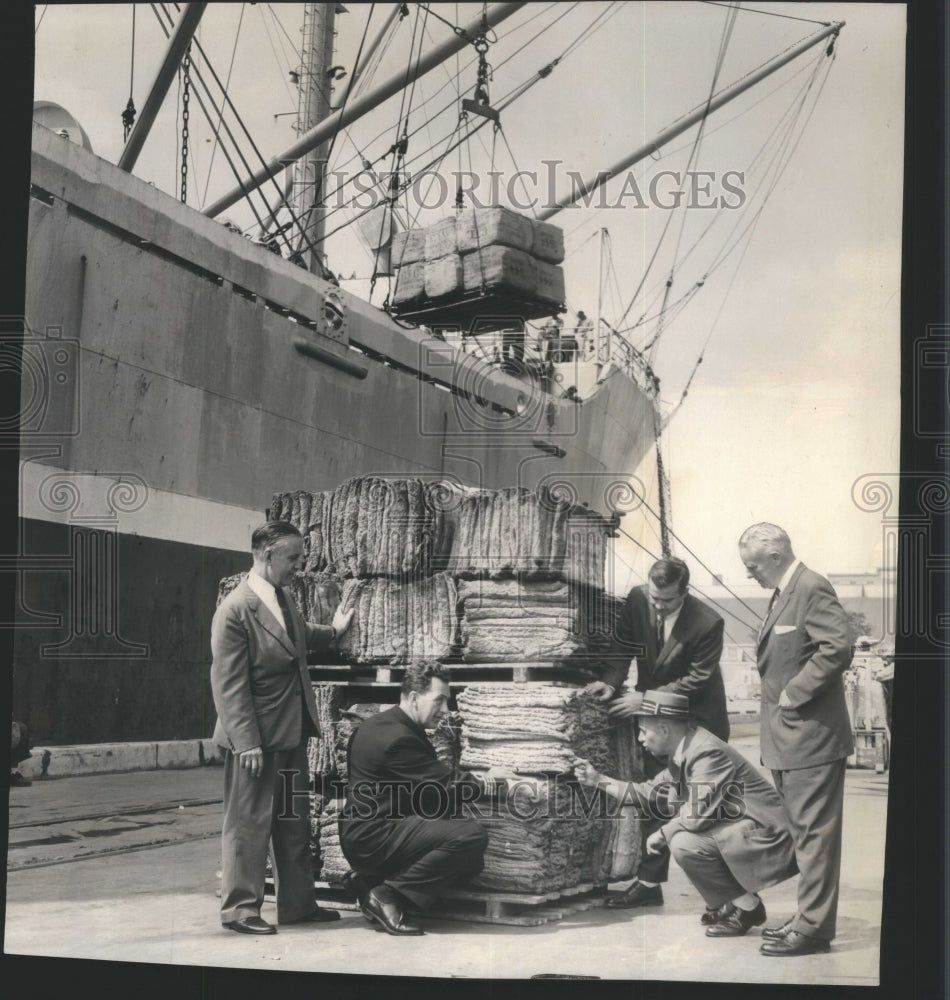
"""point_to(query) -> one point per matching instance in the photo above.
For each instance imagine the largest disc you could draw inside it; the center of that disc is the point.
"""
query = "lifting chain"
(128, 116)
(185, 114)
(128, 119)
(484, 72)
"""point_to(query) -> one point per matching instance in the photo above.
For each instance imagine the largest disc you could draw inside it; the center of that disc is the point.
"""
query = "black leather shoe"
(737, 922)
(251, 925)
(636, 895)
(356, 884)
(317, 917)
(713, 916)
(794, 943)
(383, 907)
(775, 933)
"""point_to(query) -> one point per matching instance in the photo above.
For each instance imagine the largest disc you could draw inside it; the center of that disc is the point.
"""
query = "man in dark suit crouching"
(401, 828)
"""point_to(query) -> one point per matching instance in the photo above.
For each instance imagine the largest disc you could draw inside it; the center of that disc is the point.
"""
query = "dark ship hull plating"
(176, 375)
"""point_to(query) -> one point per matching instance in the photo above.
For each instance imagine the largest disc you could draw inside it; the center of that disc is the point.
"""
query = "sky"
(797, 396)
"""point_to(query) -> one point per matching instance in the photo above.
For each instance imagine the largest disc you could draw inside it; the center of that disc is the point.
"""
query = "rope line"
(770, 13)
(227, 84)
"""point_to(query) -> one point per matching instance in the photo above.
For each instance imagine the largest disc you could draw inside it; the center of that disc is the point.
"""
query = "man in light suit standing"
(804, 647)
(266, 712)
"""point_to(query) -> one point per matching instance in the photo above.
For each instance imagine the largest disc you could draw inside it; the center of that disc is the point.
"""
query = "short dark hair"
(419, 675)
(665, 572)
(270, 532)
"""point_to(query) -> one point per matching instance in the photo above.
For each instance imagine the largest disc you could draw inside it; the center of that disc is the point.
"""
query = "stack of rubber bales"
(526, 560)
(322, 753)
(506, 621)
(394, 549)
(557, 843)
(479, 250)
(349, 721)
(545, 846)
(373, 545)
(533, 728)
(446, 739)
(397, 623)
(368, 526)
(528, 533)
(333, 865)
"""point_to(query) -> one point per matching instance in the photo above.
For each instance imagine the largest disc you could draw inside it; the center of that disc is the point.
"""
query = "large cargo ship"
(176, 374)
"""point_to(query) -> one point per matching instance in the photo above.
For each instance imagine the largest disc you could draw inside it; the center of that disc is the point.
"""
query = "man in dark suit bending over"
(804, 648)
(677, 642)
(401, 828)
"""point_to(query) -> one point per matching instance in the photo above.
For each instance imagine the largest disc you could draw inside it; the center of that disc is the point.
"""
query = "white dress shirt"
(268, 594)
(783, 583)
(669, 621)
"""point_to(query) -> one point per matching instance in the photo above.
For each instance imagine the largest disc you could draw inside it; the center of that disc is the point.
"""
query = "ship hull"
(175, 376)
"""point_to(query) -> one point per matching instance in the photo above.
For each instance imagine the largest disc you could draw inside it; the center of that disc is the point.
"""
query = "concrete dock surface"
(122, 867)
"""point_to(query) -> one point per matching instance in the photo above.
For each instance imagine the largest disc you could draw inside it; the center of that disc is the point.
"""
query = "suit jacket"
(804, 649)
(687, 664)
(393, 771)
(718, 792)
(259, 679)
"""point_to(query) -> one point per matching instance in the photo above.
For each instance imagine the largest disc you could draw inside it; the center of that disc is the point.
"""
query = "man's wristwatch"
(333, 632)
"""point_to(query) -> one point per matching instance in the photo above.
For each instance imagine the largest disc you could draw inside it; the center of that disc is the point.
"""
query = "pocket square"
(782, 629)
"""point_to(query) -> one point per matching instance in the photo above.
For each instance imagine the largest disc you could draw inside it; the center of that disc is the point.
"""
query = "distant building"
(870, 581)
(740, 677)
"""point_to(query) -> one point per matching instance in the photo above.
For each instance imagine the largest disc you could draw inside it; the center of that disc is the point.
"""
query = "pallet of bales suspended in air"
(541, 671)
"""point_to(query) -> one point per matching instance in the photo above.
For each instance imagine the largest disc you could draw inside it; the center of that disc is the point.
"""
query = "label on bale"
(410, 283)
(548, 244)
(408, 247)
(483, 227)
(440, 239)
(550, 284)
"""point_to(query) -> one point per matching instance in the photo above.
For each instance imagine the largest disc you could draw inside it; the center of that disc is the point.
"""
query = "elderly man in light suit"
(266, 712)
(804, 648)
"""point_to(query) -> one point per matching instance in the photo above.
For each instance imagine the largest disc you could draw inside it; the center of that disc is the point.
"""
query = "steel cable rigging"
(514, 94)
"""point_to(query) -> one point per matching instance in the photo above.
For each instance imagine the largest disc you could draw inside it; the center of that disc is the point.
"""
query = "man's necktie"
(660, 637)
(772, 601)
(285, 611)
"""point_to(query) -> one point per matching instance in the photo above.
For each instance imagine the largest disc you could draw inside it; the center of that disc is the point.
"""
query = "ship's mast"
(313, 106)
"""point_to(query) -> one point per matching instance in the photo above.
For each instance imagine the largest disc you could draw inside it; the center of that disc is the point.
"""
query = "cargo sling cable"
(513, 95)
(230, 104)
